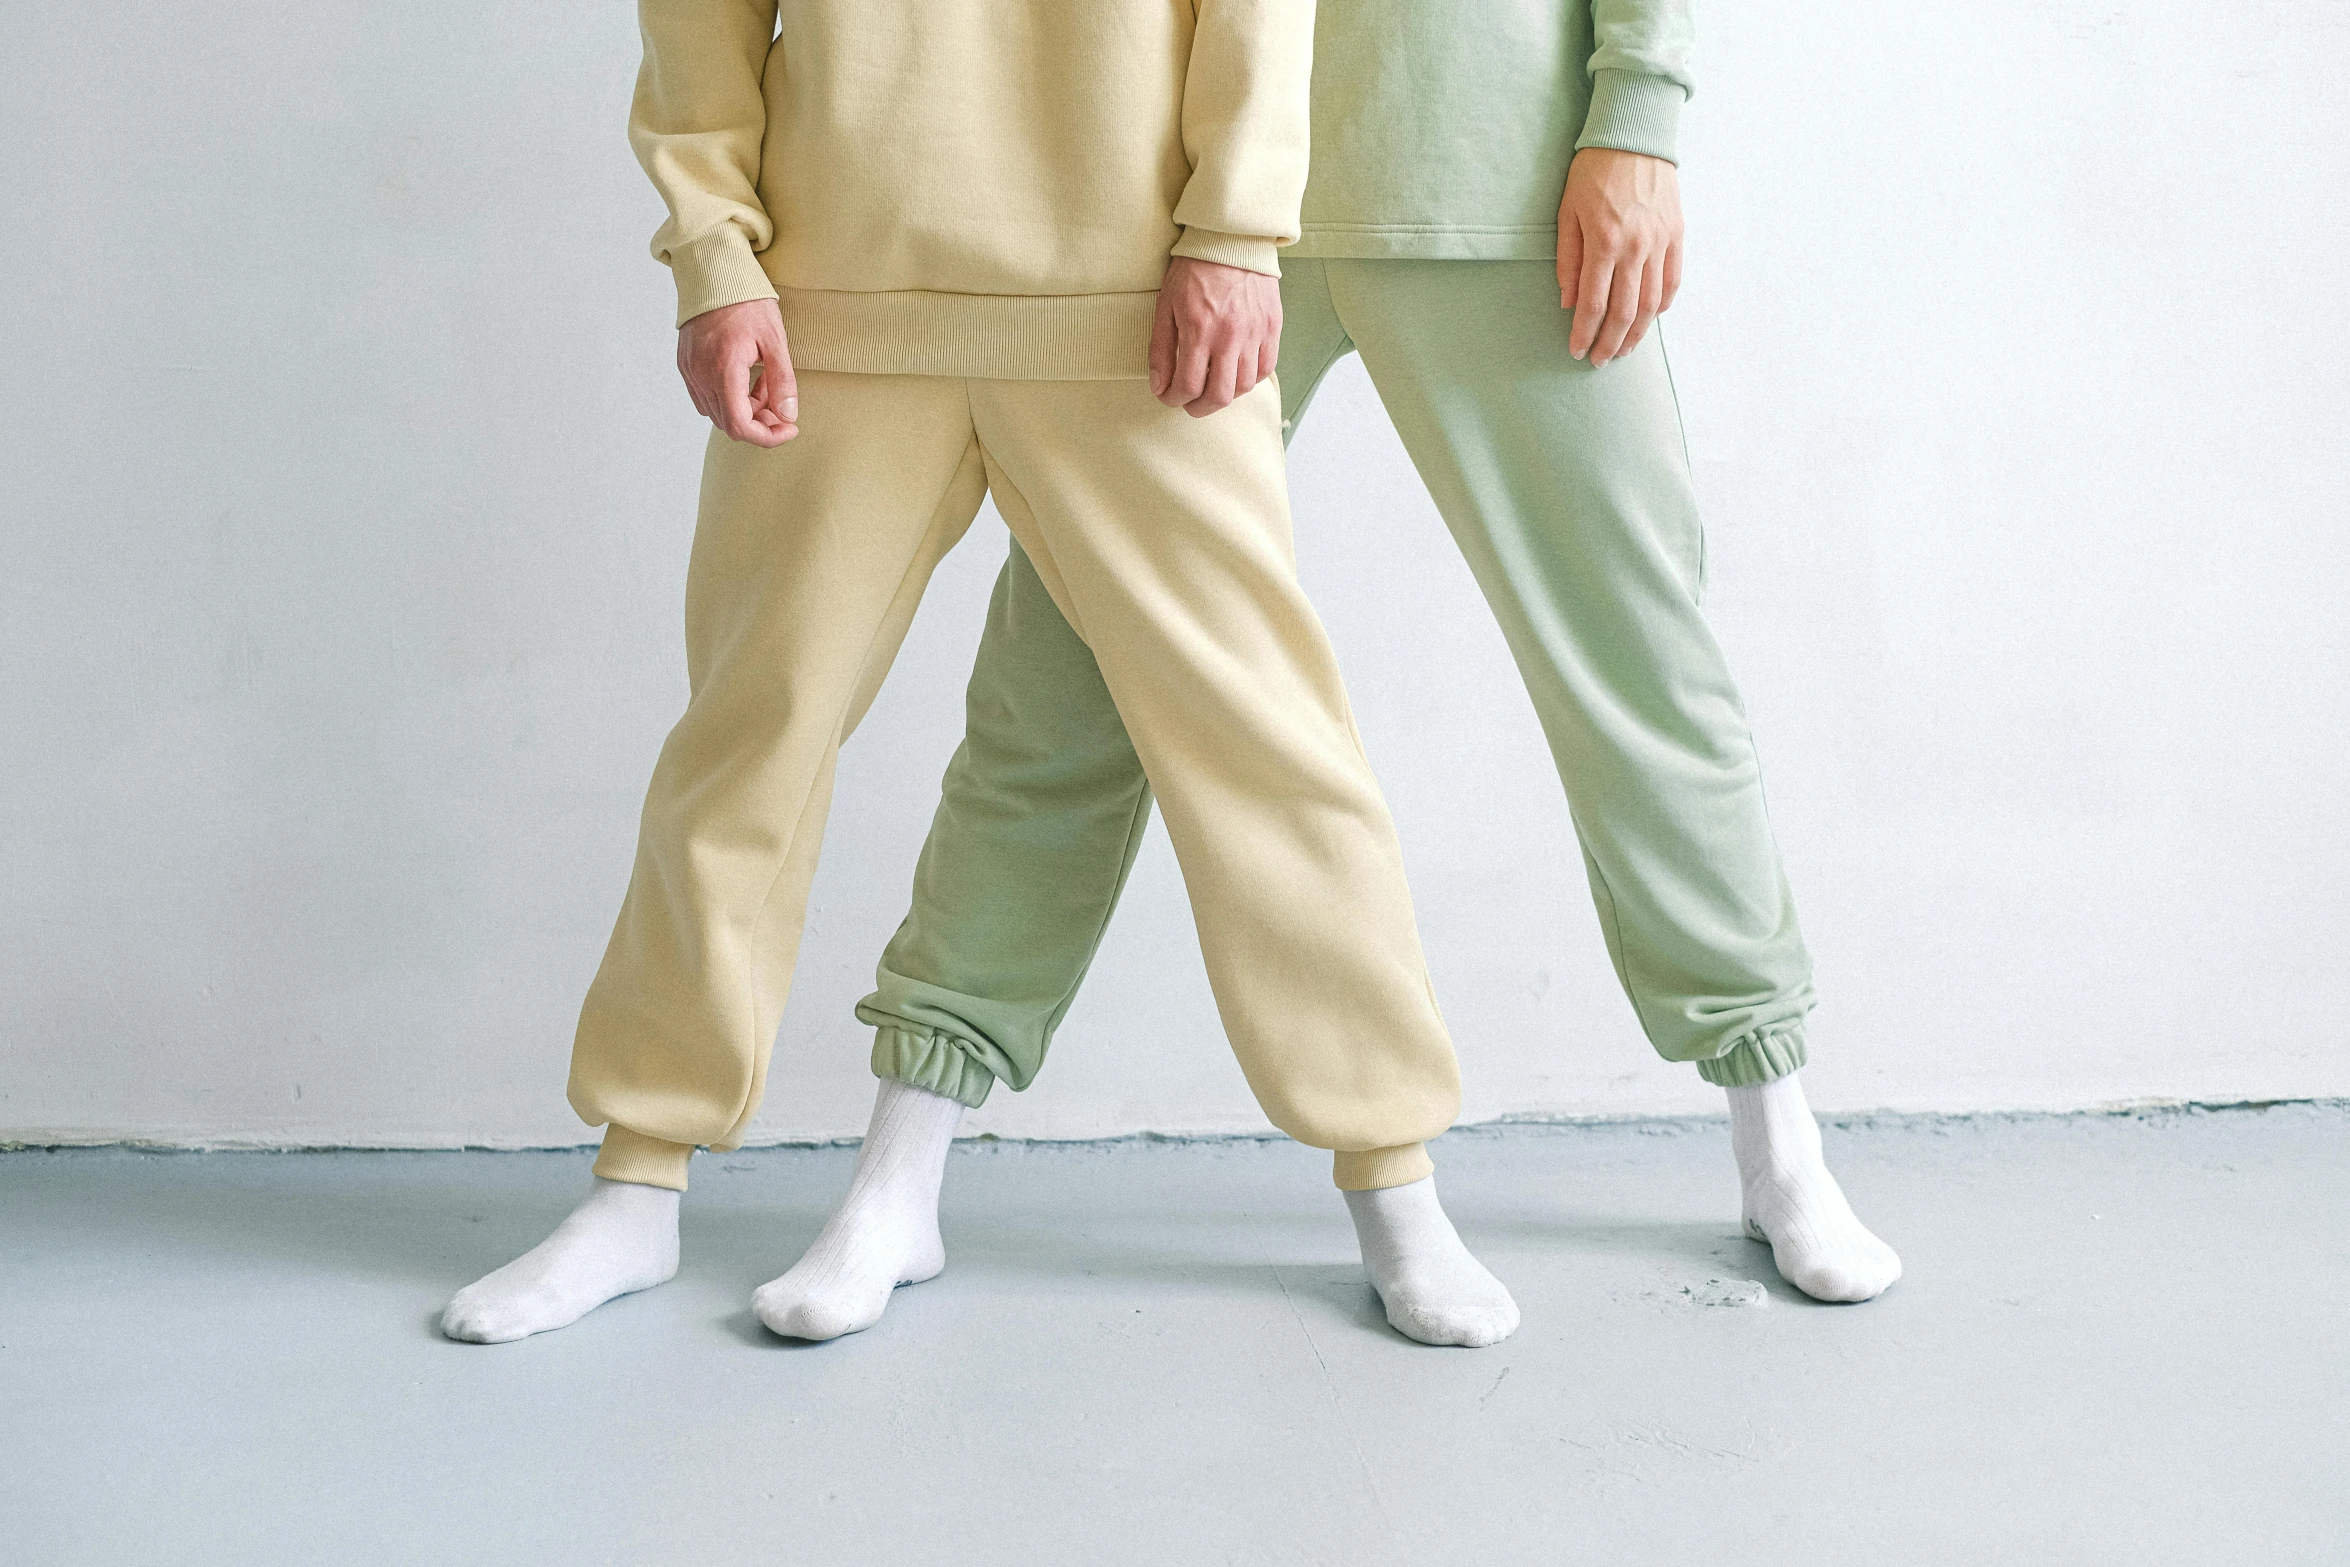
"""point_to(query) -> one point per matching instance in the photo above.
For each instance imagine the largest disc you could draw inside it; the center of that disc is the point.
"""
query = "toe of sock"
(1464, 1330)
(1847, 1280)
(797, 1316)
(1465, 1324)
(473, 1324)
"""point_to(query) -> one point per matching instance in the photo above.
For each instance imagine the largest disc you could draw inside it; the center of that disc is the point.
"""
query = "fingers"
(737, 410)
(1672, 273)
(1570, 262)
(1621, 315)
(686, 373)
(1193, 358)
(1591, 298)
(776, 395)
(1222, 383)
(737, 369)
(1215, 337)
(1652, 300)
(1163, 345)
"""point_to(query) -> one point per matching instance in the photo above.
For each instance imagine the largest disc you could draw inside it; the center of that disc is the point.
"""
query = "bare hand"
(1217, 334)
(717, 352)
(1619, 249)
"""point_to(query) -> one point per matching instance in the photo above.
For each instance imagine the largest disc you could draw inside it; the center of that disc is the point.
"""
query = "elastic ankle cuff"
(1760, 1057)
(931, 1061)
(641, 1160)
(1375, 1168)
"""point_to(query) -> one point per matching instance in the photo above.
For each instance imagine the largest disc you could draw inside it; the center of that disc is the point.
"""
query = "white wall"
(345, 494)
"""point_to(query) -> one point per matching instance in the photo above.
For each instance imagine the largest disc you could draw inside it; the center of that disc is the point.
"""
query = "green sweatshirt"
(1442, 129)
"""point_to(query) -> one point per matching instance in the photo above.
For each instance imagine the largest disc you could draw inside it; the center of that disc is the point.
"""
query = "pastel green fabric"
(1442, 129)
(1567, 489)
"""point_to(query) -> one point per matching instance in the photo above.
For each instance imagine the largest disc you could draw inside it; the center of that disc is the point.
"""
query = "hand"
(1619, 249)
(1217, 334)
(716, 352)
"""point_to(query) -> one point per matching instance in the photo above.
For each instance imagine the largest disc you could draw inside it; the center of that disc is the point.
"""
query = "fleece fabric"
(969, 187)
(1164, 542)
(1443, 128)
(1568, 490)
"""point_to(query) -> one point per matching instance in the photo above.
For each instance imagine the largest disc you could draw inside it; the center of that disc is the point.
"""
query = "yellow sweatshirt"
(969, 187)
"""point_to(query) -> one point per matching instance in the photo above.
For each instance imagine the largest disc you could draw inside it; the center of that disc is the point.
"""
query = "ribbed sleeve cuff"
(1232, 250)
(1634, 113)
(718, 269)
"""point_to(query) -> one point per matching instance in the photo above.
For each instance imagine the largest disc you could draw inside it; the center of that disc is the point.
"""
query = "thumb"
(779, 388)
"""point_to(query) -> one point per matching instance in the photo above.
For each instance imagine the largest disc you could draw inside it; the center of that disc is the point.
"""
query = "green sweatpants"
(1568, 490)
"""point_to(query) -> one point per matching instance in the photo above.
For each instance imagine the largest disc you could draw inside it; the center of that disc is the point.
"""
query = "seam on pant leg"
(745, 1109)
(1291, 419)
(1135, 827)
(1753, 747)
(1617, 951)
(1306, 398)
(1688, 464)
(1001, 484)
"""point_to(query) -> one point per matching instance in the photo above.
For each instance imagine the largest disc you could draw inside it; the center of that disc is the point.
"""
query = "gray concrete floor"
(2120, 1340)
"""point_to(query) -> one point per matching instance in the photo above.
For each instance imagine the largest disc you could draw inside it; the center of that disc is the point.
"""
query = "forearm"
(697, 122)
(1640, 75)
(1245, 110)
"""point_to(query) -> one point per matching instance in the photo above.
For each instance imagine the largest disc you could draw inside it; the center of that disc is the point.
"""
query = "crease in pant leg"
(1040, 816)
(1567, 490)
(1175, 532)
(948, 523)
(1771, 1051)
(948, 1037)
(1313, 338)
(694, 922)
(1688, 463)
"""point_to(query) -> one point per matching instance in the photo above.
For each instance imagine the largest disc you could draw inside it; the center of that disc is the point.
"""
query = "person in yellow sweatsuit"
(927, 251)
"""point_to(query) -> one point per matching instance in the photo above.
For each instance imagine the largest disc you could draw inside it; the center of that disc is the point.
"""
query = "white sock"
(1433, 1289)
(1792, 1202)
(886, 1231)
(622, 1239)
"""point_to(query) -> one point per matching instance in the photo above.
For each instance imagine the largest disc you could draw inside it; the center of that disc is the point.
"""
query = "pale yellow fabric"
(960, 162)
(1165, 541)
(645, 1161)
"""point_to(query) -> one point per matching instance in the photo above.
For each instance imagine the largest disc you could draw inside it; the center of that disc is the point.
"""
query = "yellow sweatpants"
(1165, 541)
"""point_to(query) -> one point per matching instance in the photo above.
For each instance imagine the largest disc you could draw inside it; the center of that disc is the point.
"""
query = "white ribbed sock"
(886, 1231)
(1792, 1202)
(1433, 1289)
(622, 1239)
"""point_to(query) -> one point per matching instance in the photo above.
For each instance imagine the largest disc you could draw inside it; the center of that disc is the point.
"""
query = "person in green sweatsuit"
(1492, 222)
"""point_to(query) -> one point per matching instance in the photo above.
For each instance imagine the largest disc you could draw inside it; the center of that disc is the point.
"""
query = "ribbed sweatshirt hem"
(1426, 242)
(1003, 337)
